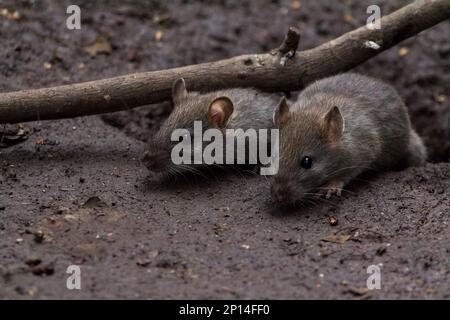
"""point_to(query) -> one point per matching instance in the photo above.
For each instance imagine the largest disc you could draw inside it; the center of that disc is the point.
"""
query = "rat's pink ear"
(219, 112)
(281, 113)
(179, 92)
(334, 124)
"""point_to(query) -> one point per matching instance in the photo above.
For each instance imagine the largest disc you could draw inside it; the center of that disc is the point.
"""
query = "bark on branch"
(283, 71)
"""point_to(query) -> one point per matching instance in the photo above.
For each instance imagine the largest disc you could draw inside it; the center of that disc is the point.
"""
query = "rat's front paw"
(333, 187)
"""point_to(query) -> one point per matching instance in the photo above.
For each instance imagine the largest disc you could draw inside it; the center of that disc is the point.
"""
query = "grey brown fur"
(252, 109)
(377, 135)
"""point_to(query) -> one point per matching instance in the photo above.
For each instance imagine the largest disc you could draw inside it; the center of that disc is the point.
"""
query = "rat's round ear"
(219, 112)
(281, 113)
(334, 124)
(179, 92)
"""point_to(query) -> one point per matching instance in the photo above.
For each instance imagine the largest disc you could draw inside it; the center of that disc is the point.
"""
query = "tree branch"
(284, 71)
(288, 47)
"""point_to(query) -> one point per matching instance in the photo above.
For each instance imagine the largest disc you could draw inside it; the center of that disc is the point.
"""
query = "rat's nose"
(281, 192)
(148, 159)
(152, 160)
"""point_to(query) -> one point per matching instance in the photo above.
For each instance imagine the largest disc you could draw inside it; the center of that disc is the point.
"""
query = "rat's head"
(310, 151)
(212, 110)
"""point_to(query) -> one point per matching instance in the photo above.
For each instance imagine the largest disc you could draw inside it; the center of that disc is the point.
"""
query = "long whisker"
(347, 168)
(328, 188)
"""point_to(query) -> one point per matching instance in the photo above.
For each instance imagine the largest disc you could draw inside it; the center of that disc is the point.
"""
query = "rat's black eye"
(306, 162)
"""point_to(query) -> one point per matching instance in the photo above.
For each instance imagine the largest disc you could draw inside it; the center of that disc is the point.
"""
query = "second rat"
(238, 108)
(338, 128)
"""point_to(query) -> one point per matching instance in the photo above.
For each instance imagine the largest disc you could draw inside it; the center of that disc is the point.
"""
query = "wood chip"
(101, 45)
(337, 238)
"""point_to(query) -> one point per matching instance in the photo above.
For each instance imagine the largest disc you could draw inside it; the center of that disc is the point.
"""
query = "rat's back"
(376, 121)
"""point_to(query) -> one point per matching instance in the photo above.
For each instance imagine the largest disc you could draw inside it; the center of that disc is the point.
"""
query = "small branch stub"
(289, 46)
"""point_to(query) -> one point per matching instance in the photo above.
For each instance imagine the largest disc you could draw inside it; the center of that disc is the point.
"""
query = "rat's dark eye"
(306, 162)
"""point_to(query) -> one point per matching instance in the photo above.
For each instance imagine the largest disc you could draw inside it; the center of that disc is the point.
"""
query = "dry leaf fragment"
(337, 238)
(99, 46)
(40, 141)
(220, 228)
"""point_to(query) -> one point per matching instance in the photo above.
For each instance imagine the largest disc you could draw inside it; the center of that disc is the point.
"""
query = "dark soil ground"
(75, 191)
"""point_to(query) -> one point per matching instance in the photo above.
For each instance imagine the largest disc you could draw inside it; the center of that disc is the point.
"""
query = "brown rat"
(338, 128)
(224, 109)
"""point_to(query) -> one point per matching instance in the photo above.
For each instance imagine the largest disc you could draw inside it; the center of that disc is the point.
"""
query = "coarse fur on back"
(223, 109)
(338, 128)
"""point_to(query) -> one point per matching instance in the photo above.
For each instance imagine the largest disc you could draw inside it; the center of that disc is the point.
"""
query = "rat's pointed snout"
(281, 191)
(154, 160)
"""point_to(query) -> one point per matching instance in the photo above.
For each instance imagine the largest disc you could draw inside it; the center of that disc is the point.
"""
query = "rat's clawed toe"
(335, 191)
(281, 192)
(333, 187)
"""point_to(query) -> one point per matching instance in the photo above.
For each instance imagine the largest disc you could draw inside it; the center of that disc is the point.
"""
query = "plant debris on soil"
(73, 192)
(13, 134)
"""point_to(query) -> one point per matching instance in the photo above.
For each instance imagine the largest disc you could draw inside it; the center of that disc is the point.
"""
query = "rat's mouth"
(159, 176)
(156, 161)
